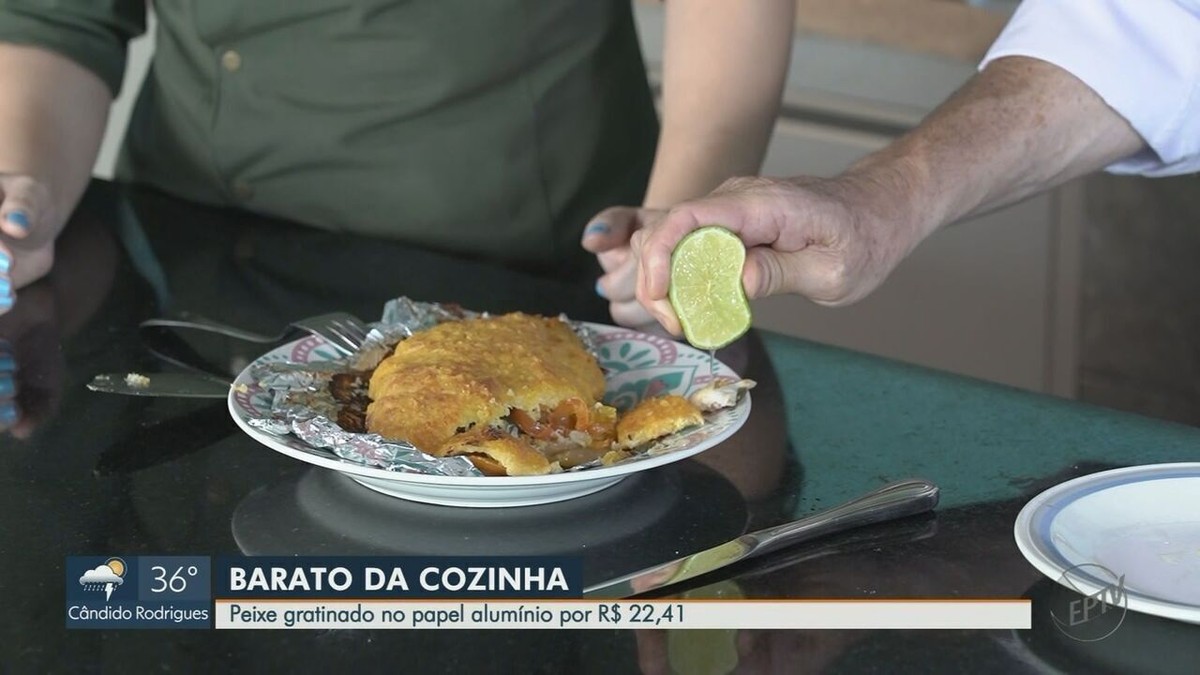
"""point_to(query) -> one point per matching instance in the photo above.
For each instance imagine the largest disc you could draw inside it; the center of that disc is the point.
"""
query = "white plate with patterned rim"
(1133, 533)
(638, 366)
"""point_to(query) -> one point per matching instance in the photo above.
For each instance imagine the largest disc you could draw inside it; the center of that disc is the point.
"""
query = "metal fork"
(343, 331)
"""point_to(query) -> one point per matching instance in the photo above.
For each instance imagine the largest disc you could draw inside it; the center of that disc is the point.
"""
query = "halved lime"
(706, 287)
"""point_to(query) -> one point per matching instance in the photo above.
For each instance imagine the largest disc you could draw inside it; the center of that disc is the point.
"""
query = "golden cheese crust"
(474, 372)
(494, 452)
(654, 418)
(516, 394)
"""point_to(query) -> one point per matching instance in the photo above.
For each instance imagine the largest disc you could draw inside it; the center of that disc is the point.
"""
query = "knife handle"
(894, 500)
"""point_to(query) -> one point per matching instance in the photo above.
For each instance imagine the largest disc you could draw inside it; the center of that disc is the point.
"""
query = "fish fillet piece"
(474, 372)
(654, 418)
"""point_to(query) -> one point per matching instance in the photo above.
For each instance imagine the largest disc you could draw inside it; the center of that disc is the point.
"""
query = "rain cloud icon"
(104, 577)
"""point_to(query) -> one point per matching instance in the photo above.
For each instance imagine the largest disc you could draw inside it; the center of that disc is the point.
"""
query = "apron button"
(231, 61)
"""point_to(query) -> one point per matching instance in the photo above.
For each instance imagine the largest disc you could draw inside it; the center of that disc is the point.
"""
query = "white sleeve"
(1141, 56)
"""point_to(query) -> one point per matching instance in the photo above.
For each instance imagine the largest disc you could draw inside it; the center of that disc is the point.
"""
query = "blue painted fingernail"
(8, 413)
(600, 291)
(5, 262)
(596, 228)
(18, 218)
(7, 363)
(8, 386)
(6, 286)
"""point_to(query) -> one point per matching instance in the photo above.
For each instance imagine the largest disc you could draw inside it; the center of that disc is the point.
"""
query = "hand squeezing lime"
(706, 287)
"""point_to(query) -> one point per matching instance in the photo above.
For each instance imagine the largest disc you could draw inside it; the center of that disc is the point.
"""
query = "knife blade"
(894, 500)
(188, 385)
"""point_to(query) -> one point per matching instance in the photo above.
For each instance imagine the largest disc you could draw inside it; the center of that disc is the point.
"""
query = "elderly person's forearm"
(1020, 126)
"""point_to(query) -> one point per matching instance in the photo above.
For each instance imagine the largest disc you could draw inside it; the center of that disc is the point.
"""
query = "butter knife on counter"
(187, 385)
(892, 501)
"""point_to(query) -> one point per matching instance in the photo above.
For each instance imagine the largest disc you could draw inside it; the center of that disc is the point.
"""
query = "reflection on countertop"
(641, 521)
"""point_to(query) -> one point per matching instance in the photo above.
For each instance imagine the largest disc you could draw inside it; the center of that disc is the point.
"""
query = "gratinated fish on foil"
(516, 394)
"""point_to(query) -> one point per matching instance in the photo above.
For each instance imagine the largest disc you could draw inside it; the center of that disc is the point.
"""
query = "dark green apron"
(491, 130)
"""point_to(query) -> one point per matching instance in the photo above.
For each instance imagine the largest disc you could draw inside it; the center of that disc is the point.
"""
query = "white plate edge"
(1028, 546)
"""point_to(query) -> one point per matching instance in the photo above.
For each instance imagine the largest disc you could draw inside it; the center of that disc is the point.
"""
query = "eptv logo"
(1096, 615)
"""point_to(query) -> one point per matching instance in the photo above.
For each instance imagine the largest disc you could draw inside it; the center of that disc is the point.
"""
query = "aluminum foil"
(303, 409)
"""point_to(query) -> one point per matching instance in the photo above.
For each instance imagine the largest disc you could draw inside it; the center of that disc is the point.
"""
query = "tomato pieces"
(572, 414)
(530, 426)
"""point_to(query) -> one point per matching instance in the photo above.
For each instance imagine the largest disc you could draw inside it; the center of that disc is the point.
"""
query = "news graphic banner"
(230, 592)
